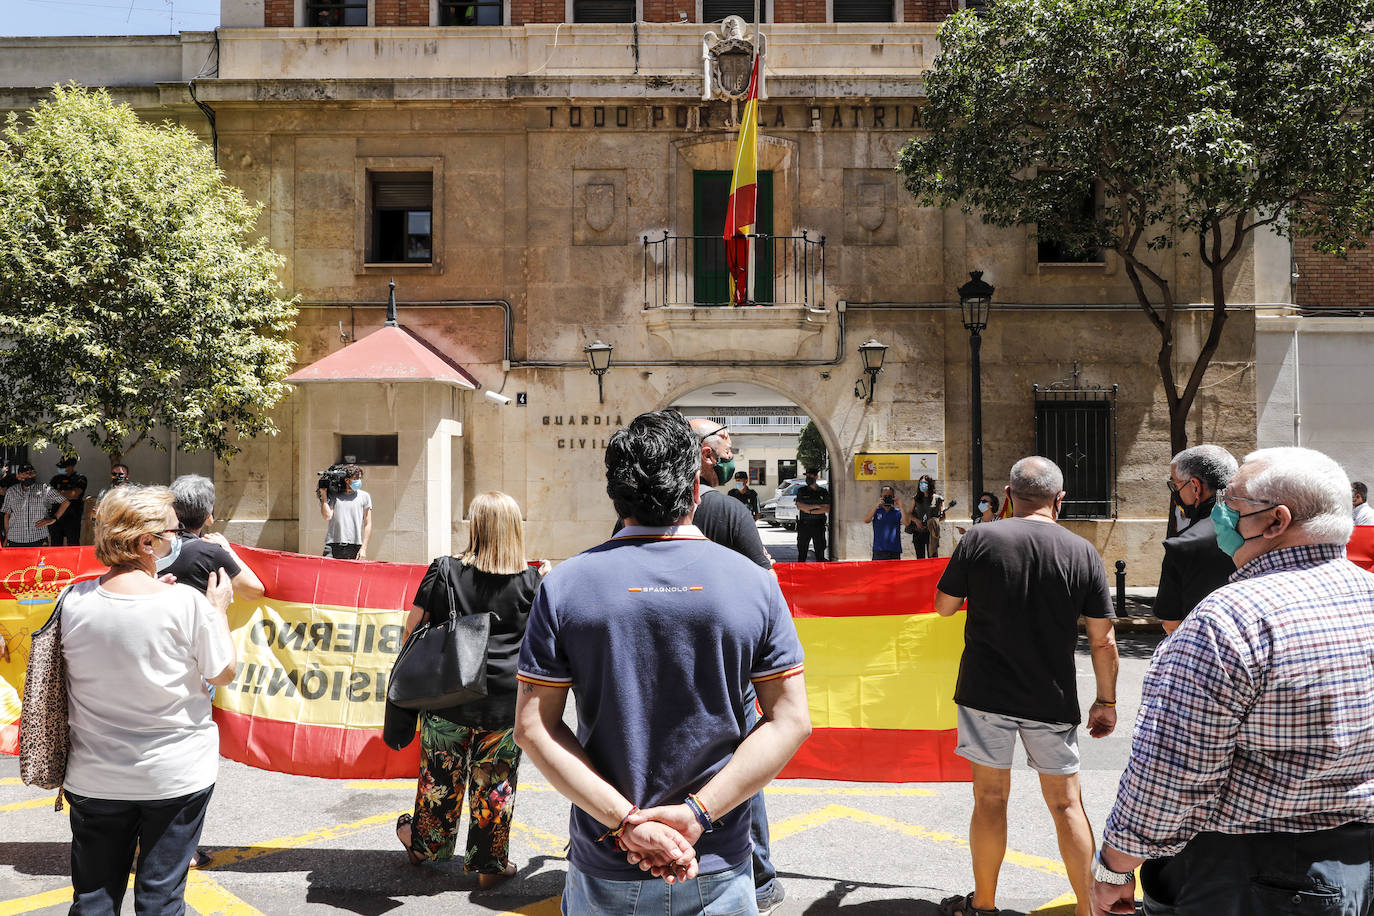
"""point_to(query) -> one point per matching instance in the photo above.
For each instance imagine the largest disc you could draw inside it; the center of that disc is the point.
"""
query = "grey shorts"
(989, 739)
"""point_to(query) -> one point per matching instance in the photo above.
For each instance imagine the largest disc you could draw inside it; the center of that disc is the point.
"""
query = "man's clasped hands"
(660, 840)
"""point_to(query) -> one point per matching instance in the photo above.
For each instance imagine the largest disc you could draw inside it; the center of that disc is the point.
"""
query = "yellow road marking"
(821, 816)
(208, 897)
(551, 844)
(11, 781)
(29, 803)
(548, 907)
(223, 857)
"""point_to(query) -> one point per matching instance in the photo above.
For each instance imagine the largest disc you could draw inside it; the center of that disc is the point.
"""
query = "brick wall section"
(926, 10)
(1324, 280)
(523, 11)
(799, 10)
(279, 14)
(400, 12)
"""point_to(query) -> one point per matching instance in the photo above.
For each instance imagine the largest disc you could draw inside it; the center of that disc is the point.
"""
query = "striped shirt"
(1258, 713)
(26, 508)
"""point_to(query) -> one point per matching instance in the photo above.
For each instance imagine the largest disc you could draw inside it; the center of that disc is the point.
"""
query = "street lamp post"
(872, 353)
(598, 360)
(975, 301)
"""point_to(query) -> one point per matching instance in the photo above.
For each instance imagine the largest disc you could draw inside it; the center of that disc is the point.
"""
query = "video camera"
(334, 478)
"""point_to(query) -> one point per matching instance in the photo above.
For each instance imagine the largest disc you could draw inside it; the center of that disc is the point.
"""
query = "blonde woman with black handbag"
(472, 747)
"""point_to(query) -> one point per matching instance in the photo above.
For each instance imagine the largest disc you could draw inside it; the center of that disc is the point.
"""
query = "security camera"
(494, 396)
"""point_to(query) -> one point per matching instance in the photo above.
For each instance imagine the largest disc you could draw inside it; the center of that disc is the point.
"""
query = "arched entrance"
(765, 424)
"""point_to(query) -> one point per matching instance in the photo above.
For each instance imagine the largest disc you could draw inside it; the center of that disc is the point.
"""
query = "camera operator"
(348, 510)
(887, 517)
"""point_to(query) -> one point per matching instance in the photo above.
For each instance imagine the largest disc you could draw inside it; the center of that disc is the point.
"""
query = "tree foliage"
(811, 450)
(1199, 120)
(133, 294)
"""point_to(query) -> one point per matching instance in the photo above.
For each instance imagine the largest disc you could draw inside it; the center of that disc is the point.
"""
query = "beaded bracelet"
(614, 834)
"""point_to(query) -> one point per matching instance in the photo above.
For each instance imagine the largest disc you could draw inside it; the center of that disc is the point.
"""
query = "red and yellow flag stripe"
(740, 209)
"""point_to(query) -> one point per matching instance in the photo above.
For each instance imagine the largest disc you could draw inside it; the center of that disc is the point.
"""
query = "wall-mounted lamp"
(599, 361)
(873, 354)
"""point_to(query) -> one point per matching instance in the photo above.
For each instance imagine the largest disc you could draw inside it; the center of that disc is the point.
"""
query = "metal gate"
(1076, 429)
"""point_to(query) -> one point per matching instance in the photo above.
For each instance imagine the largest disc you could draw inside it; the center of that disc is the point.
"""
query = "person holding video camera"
(347, 507)
(887, 518)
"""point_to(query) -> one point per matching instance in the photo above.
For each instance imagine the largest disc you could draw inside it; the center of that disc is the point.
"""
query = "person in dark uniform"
(745, 494)
(66, 531)
(813, 513)
(1194, 566)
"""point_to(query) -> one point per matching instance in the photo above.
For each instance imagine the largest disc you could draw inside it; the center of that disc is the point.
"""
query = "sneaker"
(772, 900)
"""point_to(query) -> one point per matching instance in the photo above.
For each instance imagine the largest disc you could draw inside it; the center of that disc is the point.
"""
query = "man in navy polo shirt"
(659, 632)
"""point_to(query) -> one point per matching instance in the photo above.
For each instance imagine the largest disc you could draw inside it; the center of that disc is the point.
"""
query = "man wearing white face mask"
(349, 515)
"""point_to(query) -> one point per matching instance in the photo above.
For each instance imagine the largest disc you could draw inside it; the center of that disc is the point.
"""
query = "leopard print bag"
(43, 736)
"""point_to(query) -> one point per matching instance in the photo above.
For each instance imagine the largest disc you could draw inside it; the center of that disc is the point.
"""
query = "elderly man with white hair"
(1250, 787)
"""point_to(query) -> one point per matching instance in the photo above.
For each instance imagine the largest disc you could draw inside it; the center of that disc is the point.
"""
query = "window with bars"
(603, 10)
(1082, 205)
(862, 11)
(1076, 429)
(335, 12)
(476, 12)
(402, 217)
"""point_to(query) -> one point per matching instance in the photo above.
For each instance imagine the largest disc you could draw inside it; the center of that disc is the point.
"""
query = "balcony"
(690, 271)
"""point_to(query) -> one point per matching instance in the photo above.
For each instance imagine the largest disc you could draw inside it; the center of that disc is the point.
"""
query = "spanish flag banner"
(740, 209)
(31, 578)
(880, 672)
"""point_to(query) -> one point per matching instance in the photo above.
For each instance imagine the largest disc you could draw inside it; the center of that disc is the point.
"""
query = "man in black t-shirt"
(1027, 581)
(745, 494)
(813, 514)
(66, 531)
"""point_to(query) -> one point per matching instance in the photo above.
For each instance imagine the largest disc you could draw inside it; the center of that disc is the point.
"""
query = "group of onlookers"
(37, 514)
(1251, 779)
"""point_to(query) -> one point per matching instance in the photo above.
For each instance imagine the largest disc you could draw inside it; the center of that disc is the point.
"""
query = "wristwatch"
(1105, 875)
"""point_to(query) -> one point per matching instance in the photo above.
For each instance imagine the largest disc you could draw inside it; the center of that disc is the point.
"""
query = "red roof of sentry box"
(392, 354)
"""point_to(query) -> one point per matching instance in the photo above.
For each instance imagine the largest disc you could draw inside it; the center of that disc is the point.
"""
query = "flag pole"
(753, 264)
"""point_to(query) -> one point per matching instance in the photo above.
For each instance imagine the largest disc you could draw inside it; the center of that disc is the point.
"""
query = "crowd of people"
(1249, 789)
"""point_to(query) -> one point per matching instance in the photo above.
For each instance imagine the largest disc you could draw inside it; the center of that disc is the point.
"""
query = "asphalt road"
(286, 845)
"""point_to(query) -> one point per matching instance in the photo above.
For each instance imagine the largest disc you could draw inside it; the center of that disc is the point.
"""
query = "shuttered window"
(402, 217)
(716, 10)
(863, 11)
(603, 10)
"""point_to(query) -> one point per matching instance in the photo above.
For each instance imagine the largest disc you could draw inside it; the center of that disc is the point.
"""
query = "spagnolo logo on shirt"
(664, 588)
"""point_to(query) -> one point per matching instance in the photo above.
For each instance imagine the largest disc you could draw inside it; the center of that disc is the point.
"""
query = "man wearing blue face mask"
(349, 514)
(1250, 787)
(1193, 566)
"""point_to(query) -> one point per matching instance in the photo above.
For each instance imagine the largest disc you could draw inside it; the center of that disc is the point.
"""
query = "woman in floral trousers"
(473, 745)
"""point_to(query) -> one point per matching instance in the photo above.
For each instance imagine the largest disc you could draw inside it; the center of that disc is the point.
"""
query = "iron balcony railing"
(691, 270)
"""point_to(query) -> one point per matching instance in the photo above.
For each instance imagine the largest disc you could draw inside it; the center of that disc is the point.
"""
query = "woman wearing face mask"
(144, 750)
(927, 508)
(987, 508)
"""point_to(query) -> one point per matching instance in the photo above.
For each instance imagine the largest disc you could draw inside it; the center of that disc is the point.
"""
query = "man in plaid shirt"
(1250, 787)
(26, 509)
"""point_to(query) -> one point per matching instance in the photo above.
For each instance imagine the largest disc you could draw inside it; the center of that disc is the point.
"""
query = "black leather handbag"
(444, 662)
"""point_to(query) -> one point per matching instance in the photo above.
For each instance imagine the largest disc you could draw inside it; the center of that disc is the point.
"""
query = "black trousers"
(342, 551)
(42, 543)
(105, 833)
(810, 534)
(63, 533)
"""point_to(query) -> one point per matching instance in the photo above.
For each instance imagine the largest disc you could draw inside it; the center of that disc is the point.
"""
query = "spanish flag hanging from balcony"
(880, 672)
(744, 190)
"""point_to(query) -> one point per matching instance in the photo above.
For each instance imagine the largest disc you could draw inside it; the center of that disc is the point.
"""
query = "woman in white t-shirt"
(144, 750)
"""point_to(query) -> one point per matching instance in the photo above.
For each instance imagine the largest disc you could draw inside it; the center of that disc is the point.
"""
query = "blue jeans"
(105, 833)
(1326, 872)
(765, 875)
(723, 893)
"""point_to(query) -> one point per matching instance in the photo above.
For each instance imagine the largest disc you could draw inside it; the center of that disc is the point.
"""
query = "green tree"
(811, 451)
(133, 293)
(1196, 122)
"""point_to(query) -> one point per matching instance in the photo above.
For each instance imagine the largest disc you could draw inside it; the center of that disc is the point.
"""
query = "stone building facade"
(566, 168)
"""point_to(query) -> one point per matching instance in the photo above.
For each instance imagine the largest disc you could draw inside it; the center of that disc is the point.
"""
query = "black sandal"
(415, 857)
(962, 905)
